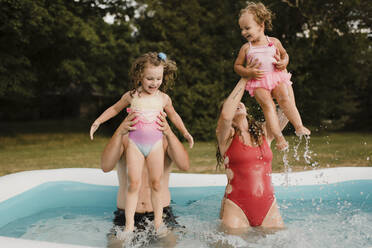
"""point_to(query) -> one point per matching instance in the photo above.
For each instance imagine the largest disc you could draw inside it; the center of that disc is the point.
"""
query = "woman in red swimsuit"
(244, 149)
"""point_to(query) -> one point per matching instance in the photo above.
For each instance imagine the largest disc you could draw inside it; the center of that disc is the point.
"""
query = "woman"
(244, 149)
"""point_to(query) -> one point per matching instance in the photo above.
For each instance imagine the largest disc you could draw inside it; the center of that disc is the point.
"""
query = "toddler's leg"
(266, 102)
(155, 165)
(283, 93)
(135, 163)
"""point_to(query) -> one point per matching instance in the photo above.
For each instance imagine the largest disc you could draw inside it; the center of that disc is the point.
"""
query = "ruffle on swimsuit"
(272, 76)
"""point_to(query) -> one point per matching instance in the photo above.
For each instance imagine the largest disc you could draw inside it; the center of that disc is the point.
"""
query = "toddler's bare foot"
(162, 231)
(281, 143)
(302, 131)
(126, 236)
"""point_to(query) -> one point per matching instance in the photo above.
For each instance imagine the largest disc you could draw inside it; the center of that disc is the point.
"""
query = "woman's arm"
(224, 124)
(175, 150)
(115, 147)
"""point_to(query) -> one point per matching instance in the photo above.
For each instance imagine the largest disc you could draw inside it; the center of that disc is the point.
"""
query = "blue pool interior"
(93, 205)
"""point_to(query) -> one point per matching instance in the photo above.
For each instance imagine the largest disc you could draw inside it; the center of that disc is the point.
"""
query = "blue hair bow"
(162, 56)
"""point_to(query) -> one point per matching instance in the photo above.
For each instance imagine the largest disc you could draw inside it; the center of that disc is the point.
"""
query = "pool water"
(330, 215)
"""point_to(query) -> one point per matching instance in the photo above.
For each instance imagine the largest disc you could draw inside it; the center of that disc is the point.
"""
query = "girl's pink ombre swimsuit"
(272, 76)
(146, 135)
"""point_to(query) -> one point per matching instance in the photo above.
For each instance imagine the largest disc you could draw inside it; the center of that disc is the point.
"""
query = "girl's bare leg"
(283, 93)
(266, 102)
(155, 165)
(135, 163)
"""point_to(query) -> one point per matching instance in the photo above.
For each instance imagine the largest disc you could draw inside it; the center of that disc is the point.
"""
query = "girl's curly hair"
(152, 58)
(260, 12)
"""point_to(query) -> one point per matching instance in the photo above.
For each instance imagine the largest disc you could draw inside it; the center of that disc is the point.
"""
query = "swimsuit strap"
(250, 44)
(268, 39)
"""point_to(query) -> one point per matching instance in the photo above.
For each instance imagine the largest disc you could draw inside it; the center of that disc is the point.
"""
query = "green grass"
(65, 144)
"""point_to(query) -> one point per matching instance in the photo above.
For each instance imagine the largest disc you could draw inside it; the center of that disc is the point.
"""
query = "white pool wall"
(22, 181)
(14, 184)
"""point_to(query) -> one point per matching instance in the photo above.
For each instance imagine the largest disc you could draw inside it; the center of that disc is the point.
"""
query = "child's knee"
(155, 184)
(134, 185)
(283, 97)
(267, 105)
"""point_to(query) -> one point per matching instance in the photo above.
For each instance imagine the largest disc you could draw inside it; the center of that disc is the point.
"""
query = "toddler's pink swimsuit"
(272, 76)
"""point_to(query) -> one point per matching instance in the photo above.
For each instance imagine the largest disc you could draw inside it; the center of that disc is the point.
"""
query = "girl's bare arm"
(239, 65)
(176, 120)
(281, 56)
(114, 109)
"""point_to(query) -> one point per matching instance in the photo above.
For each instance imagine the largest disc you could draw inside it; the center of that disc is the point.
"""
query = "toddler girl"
(148, 73)
(271, 78)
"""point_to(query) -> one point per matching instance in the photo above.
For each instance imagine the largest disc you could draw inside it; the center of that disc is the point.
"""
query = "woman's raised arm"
(230, 105)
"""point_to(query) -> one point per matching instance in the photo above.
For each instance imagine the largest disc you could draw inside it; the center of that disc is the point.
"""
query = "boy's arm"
(175, 150)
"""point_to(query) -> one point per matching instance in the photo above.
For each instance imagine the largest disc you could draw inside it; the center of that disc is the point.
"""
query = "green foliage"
(66, 49)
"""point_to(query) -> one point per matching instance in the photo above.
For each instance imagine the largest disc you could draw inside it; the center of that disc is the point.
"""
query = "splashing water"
(307, 156)
(287, 167)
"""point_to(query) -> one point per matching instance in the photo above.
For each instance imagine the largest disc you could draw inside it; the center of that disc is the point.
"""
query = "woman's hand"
(127, 124)
(253, 66)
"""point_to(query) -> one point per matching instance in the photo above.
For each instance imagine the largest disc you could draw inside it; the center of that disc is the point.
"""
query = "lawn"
(65, 144)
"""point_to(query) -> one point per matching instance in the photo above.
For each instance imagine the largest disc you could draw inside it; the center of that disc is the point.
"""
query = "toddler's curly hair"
(260, 12)
(152, 58)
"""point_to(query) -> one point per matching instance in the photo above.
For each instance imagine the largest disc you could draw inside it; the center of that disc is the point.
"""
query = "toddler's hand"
(189, 139)
(93, 129)
(279, 64)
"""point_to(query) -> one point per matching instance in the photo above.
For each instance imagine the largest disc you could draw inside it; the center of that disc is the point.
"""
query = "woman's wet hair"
(255, 130)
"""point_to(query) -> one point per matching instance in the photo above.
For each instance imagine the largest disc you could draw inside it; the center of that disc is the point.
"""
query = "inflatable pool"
(36, 206)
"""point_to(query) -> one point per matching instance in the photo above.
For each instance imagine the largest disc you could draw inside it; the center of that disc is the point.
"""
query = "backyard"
(66, 144)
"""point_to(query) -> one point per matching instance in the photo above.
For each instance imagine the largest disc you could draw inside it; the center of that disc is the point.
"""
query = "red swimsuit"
(251, 184)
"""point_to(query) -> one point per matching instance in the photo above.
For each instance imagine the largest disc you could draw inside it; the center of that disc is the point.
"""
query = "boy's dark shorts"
(142, 220)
